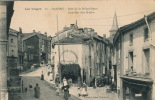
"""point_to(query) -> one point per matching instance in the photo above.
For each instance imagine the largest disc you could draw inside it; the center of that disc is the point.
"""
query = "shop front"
(135, 88)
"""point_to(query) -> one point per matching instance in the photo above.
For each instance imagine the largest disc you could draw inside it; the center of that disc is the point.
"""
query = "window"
(146, 61)
(43, 48)
(49, 43)
(12, 51)
(11, 40)
(90, 72)
(131, 39)
(43, 42)
(30, 56)
(130, 58)
(146, 34)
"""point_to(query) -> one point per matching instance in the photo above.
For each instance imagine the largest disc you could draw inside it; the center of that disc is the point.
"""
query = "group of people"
(65, 88)
(82, 91)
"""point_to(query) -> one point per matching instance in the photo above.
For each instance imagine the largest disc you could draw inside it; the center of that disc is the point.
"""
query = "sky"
(52, 16)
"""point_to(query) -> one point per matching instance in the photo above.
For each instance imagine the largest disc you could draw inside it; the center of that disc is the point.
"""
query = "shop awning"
(140, 81)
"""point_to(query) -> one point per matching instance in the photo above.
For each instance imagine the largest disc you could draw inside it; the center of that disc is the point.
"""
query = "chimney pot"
(20, 29)
(45, 33)
(104, 35)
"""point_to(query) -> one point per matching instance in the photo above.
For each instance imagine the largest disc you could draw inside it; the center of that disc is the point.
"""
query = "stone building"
(13, 68)
(20, 50)
(6, 12)
(84, 47)
(13, 43)
(36, 47)
(134, 50)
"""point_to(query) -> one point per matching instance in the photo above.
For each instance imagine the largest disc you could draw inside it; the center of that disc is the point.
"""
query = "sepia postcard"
(77, 50)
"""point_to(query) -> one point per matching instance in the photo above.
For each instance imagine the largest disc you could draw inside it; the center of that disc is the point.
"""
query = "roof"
(74, 40)
(13, 32)
(134, 25)
(78, 35)
(41, 36)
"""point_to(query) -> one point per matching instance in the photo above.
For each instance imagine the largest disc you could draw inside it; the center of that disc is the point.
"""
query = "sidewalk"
(93, 94)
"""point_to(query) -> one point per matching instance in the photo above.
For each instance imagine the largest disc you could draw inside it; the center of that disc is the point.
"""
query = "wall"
(13, 46)
(68, 54)
(138, 44)
(31, 46)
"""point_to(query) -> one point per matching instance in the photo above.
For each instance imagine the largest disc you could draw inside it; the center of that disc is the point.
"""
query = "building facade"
(13, 43)
(134, 50)
(6, 15)
(20, 50)
(36, 48)
(84, 47)
(13, 78)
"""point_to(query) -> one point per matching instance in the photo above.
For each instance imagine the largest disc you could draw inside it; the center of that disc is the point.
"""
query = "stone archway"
(69, 65)
(71, 71)
(69, 57)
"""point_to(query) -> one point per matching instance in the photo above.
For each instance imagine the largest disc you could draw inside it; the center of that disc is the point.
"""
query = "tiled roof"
(13, 32)
(71, 40)
(41, 36)
(134, 25)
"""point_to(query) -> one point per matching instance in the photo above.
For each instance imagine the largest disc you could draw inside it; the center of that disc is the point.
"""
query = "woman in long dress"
(42, 76)
(66, 92)
(64, 82)
(84, 90)
(37, 91)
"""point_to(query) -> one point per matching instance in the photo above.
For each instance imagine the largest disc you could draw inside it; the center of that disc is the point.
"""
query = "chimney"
(20, 29)
(104, 35)
(90, 30)
(45, 34)
(85, 30)
(72, 26)
(34, 31)
(50, 37)
(39, 32)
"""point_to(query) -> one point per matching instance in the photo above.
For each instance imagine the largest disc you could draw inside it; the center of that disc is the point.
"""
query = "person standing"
(42, 75)
(58, 90)
(84, 90)
(94, 83)
(64, 82)
(37, 91)
(66, 92)
(57, 81)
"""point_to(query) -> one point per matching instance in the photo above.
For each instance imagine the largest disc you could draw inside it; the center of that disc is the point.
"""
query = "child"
(57, 90)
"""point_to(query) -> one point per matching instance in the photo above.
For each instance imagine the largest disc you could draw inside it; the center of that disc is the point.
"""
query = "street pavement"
(46, 90)
(95, 94)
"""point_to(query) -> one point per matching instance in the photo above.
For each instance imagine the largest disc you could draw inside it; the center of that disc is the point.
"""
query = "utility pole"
(59, 67)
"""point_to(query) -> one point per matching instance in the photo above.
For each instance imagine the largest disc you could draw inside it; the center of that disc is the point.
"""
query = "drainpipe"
(145, 17)
(152, 65)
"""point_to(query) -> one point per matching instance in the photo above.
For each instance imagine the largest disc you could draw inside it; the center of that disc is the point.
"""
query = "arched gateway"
(69, 65)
